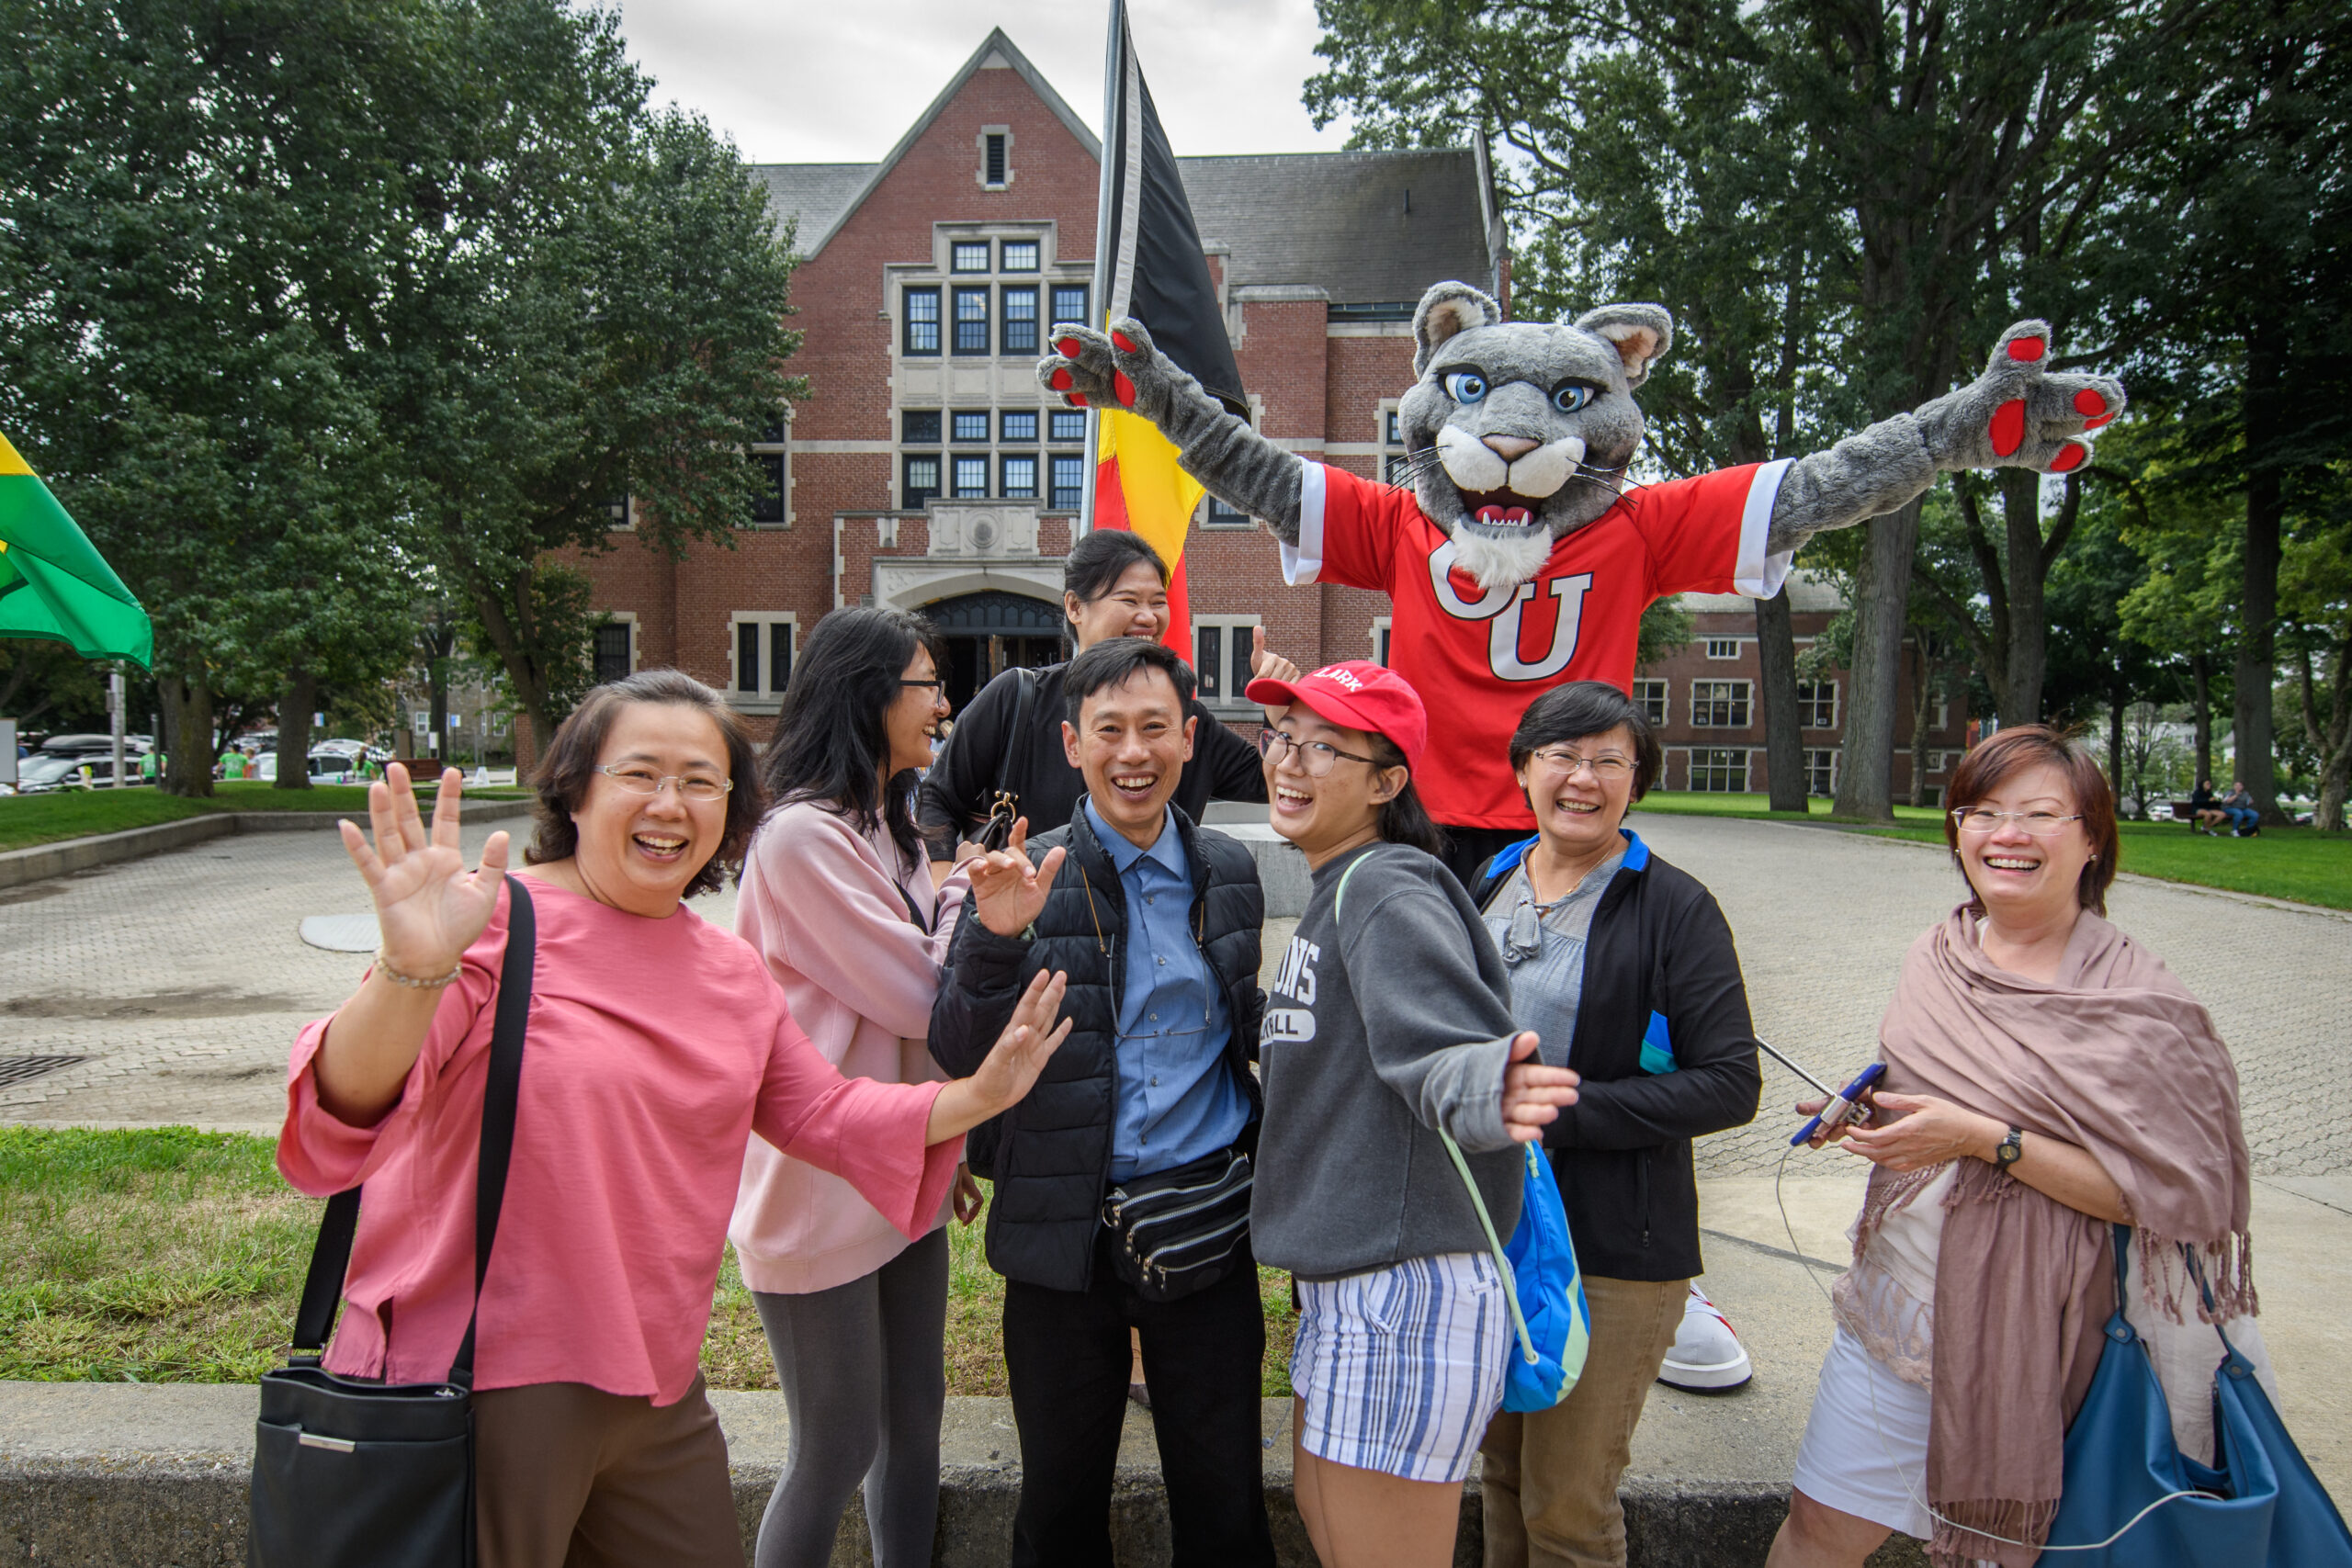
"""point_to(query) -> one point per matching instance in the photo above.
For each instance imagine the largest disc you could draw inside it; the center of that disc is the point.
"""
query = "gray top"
(1543, 946)
(1378, 1031)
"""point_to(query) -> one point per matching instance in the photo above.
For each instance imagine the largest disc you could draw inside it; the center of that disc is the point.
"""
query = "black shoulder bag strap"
(331, 1257)
(1013, 772)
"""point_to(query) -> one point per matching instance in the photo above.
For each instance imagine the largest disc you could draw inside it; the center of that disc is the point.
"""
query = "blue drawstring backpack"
(1542, 1283)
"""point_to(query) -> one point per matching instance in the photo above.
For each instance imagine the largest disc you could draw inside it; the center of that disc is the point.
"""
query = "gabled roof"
(1366, 228)
(822, 197)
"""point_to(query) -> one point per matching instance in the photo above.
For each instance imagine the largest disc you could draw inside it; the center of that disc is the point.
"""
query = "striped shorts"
(1398, 1369)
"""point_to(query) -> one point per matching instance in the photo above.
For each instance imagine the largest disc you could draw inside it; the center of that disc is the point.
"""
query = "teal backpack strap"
(1478, 1198)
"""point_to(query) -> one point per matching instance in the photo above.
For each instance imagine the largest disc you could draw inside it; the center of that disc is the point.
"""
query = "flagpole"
(1114, 74)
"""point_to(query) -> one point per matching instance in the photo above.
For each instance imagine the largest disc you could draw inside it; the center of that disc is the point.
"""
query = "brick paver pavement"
(181, 978)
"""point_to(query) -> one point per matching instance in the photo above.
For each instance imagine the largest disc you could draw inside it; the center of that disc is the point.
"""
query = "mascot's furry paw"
(2019, 413)
(1119, 369)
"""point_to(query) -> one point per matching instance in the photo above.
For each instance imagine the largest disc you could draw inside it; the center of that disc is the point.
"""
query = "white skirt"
(1398, 1369)
(1865, 1449)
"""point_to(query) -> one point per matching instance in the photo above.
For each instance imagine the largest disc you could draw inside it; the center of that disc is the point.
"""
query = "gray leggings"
(866, 1383)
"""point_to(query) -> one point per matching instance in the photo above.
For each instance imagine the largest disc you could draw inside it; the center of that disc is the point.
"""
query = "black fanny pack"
(1176, 1231)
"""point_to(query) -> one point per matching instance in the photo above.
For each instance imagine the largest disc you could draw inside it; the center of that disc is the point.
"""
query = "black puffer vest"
(1050, 1156)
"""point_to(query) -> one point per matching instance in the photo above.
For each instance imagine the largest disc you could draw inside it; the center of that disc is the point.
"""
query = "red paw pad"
(1122, 343)
(2026, 350)
(1068, 347)
(2095, 424)
(2008, 429)
(2070, 455)
(1063, 381)
(1076, 400)
(1124, 388)
(2088, 401)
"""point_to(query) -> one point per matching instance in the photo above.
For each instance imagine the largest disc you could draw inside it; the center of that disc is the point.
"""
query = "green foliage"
(2294, 863)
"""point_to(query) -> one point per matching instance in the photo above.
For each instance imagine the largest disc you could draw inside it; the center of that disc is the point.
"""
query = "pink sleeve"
(1347, 530)
(868, 1133)
(1707, 534)
(843, 924)
(321, 1154)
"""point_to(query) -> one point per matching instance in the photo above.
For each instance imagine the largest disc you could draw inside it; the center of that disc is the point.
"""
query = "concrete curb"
(21, 867)
(115, 1476)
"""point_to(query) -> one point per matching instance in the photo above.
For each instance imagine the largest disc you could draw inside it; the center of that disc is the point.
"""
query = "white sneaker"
(1707, 1357)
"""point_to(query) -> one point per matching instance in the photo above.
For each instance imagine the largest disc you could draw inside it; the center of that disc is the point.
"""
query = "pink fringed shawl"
(2115, 1057)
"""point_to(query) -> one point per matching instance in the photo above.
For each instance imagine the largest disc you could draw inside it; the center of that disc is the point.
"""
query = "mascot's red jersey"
(1478, 658)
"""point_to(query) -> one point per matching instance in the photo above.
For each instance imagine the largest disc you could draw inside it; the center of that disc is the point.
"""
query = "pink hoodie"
(822, 904)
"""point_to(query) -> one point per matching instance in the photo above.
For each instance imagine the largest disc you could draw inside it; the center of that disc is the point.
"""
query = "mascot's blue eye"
(1571, 397)
(1464, 386)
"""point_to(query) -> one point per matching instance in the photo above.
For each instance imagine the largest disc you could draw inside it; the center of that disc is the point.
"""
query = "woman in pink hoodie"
(837, 895)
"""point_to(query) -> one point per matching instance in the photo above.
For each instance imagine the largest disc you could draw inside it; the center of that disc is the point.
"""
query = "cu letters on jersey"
(1501, 607)
(1294, 979)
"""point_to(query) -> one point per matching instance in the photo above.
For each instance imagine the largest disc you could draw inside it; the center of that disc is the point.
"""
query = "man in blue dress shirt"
(1156, 923)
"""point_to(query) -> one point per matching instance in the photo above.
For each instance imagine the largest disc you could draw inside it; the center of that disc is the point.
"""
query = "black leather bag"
(357, 1474)
(1178, 1232)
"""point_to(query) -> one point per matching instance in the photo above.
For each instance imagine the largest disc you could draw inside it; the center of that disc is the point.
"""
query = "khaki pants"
(568, 1476)
(1550, 1478)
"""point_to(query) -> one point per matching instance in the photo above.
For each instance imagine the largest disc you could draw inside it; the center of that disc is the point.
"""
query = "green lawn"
(173, 1256)
(26, 820)
(1688, 803)
(2281, 863)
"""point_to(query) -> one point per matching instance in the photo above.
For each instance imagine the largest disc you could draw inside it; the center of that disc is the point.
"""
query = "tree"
(2317, 595)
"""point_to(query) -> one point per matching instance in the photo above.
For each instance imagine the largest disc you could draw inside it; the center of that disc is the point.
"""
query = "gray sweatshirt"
(1378, 1031)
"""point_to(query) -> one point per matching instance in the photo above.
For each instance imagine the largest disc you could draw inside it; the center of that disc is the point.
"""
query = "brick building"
(927, 470)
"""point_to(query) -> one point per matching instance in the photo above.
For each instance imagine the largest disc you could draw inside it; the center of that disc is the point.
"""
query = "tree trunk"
(295, 704)
(2334, 743)
(187, 719)
(1882, 595)
(2027, 656)
(1923, 687)
(2257, 659)
(1776, 657)
(2200, 710)
(2115, 700)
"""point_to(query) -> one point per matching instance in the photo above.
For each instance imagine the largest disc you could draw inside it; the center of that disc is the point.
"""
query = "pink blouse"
(655, 1048)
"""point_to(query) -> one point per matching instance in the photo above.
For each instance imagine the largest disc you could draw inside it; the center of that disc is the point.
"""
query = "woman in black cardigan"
(1010, 736)
(1625, 967)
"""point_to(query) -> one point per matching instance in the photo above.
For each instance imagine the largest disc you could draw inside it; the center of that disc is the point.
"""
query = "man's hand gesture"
(1533, 1094)
(1007, 890)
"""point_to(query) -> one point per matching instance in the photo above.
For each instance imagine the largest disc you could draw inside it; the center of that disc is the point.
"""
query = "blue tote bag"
(2263, 1509)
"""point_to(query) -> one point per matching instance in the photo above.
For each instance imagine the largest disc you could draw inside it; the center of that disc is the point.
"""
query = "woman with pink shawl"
(2045, 1077)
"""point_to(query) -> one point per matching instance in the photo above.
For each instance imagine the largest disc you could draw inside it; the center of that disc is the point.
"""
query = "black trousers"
(1467, 849)
(1066, 1355)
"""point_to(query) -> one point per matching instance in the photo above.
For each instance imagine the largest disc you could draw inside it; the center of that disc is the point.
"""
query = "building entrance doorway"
(991, 632)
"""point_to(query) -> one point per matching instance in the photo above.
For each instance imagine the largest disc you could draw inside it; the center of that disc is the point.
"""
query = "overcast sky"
(839, 81)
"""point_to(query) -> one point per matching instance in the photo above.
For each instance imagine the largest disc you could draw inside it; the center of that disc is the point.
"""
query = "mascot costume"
(1519, 558)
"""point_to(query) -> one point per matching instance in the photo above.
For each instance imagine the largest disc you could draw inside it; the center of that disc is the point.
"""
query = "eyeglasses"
(1318, 757)
(935, 684)
(2041, 824)
(700, 789)
(1607, 769)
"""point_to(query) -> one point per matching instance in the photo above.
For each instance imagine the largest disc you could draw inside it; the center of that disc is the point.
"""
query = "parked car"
(46, 772)
(326, 766)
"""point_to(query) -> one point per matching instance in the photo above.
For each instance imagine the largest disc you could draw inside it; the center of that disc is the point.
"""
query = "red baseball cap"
(1361, 694)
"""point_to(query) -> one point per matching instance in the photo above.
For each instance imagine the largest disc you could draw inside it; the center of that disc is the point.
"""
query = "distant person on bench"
(2204, 817)
(2238, 805)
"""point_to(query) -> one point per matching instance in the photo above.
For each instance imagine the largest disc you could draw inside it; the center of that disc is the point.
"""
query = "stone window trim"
(1821, 769)
(1818, 704)
(1722, 646)
(1722, 705)
(1380, 638)
(1717, 770)
(1653, 696)
(1221, 687)
(770, 638)
(623, 621)
(994, 143)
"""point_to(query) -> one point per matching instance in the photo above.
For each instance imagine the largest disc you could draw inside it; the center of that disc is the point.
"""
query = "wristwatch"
(2010, 1150)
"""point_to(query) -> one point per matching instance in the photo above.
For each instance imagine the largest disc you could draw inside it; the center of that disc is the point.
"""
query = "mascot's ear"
(1641, 334)
(1446, 310)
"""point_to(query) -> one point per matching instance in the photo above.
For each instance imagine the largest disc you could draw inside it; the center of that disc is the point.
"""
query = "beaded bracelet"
(384, 967)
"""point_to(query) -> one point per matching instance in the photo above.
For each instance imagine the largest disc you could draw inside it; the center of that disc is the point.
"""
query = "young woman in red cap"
(1388, 1022)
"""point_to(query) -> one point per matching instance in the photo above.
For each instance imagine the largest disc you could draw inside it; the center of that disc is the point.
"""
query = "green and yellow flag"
(53, 583)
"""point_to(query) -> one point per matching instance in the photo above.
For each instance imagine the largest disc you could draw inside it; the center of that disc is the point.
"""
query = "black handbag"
(1177, 1232)
(361, 1474)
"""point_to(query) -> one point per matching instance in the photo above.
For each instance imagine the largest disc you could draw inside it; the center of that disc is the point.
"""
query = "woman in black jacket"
(1010, 736)
(1624, 968)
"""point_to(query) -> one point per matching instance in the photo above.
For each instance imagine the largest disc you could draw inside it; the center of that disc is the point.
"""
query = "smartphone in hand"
(1846, 1107)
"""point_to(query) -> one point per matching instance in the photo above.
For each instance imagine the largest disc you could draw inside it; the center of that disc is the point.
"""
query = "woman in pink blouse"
(838, 897)
(656, 1045)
